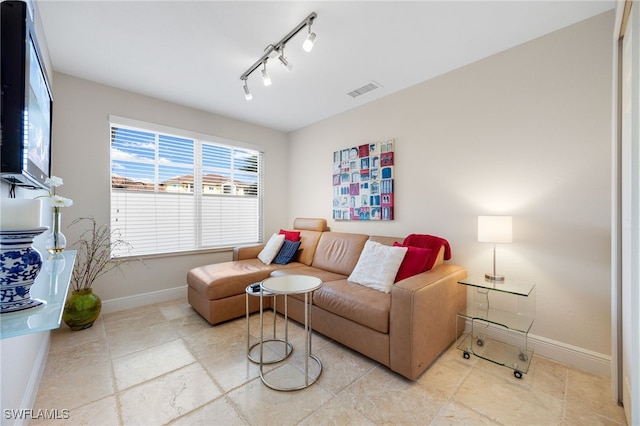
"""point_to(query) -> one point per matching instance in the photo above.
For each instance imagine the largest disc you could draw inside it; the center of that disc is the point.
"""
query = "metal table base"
(288, 347)
(307, 287)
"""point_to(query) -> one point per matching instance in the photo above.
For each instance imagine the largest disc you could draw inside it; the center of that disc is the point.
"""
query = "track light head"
(285, 63)
(265, 75)
(310, 40)
(247, 93)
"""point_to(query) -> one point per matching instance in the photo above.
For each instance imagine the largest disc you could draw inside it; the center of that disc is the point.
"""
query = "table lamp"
(494, 229)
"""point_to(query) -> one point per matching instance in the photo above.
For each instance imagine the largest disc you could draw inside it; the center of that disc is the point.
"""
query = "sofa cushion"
(271, 249)
(287, 252)
(325, 276)
(357, 303)
(414, 262)
(220, 280)
(290, 235)
(377, 266)
(338, 252)
(308, 244)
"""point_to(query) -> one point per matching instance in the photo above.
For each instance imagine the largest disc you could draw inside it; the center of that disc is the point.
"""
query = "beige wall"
(525, 133)
(81, 156)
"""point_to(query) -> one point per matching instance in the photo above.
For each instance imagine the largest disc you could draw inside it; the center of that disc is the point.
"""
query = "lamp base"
(494, 277)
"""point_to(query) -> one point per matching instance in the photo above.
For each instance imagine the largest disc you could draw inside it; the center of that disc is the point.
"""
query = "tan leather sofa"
(405, 330)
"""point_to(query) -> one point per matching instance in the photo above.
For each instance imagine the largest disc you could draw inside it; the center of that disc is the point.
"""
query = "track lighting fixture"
(265, 75)
(277, 50)
(309, 41)
(247, 94)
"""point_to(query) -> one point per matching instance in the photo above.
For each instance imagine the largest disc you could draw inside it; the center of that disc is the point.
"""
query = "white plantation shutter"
(173, 193)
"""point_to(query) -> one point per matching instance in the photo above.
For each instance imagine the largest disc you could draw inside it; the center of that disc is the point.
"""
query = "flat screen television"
(26, 101)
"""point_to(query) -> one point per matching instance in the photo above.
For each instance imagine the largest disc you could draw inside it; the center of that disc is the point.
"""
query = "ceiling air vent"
(364, 89)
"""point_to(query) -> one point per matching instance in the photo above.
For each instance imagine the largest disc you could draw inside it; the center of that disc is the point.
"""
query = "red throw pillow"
(414, 262)
(290, 235)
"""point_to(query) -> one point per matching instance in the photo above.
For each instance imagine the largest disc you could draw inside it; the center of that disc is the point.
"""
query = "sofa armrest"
(423, 318)
(247, 252)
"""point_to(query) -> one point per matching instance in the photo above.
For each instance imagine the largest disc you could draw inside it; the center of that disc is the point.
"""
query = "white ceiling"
(193, 52)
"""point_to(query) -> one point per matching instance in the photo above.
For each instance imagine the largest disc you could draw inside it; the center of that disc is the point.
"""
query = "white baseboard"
(139, 300)
(581, 358)
(574, 356)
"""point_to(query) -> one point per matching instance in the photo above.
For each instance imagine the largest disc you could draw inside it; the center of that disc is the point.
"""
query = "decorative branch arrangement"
(94, 248)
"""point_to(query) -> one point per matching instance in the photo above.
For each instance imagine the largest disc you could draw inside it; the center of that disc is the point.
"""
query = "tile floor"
(163, 364)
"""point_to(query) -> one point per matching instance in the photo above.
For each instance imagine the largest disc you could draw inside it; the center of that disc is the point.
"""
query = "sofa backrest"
(310, 224)
(338, 252)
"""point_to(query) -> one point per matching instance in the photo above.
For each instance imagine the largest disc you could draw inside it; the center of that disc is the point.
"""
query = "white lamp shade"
(495, 229)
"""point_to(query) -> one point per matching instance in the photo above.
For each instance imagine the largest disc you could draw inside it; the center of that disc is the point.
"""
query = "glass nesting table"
(500, 315)
(289, 285)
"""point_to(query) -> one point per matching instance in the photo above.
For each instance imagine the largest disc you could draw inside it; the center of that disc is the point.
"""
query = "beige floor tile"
(189, 324)
(215, 340)
(594, 393)
(231, 368)
(171, 366)
(291, 374)
(101, 412)
(335, 413)
(577, 415)
(128, 340)
(220, 412)
(176, 309)
(340, 367)
(546, 376)
(62, 339)
(65, 358)
(133, 318)
(386, 398)
(138, 367)
(454, 414)
(66, 386)
(506, 401)
(168, 397)
(446, 373)
(263, 406)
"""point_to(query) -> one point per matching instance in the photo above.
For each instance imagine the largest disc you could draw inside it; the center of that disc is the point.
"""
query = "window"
(175, 191)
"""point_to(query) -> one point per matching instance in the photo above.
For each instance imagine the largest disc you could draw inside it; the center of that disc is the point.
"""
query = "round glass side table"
(286, 285)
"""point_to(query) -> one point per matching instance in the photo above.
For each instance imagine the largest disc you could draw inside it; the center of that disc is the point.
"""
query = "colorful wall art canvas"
(363, 182)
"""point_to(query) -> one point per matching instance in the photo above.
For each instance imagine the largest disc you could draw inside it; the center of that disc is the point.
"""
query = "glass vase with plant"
(56, 241)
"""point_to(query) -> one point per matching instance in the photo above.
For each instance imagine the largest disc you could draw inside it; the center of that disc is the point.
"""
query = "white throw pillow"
(271, 249)
(377, 266)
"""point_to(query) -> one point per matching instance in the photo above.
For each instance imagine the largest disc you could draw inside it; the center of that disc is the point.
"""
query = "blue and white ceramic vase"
(20, 264)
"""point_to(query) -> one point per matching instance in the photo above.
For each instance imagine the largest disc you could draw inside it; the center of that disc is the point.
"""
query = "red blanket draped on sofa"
(429, 242)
